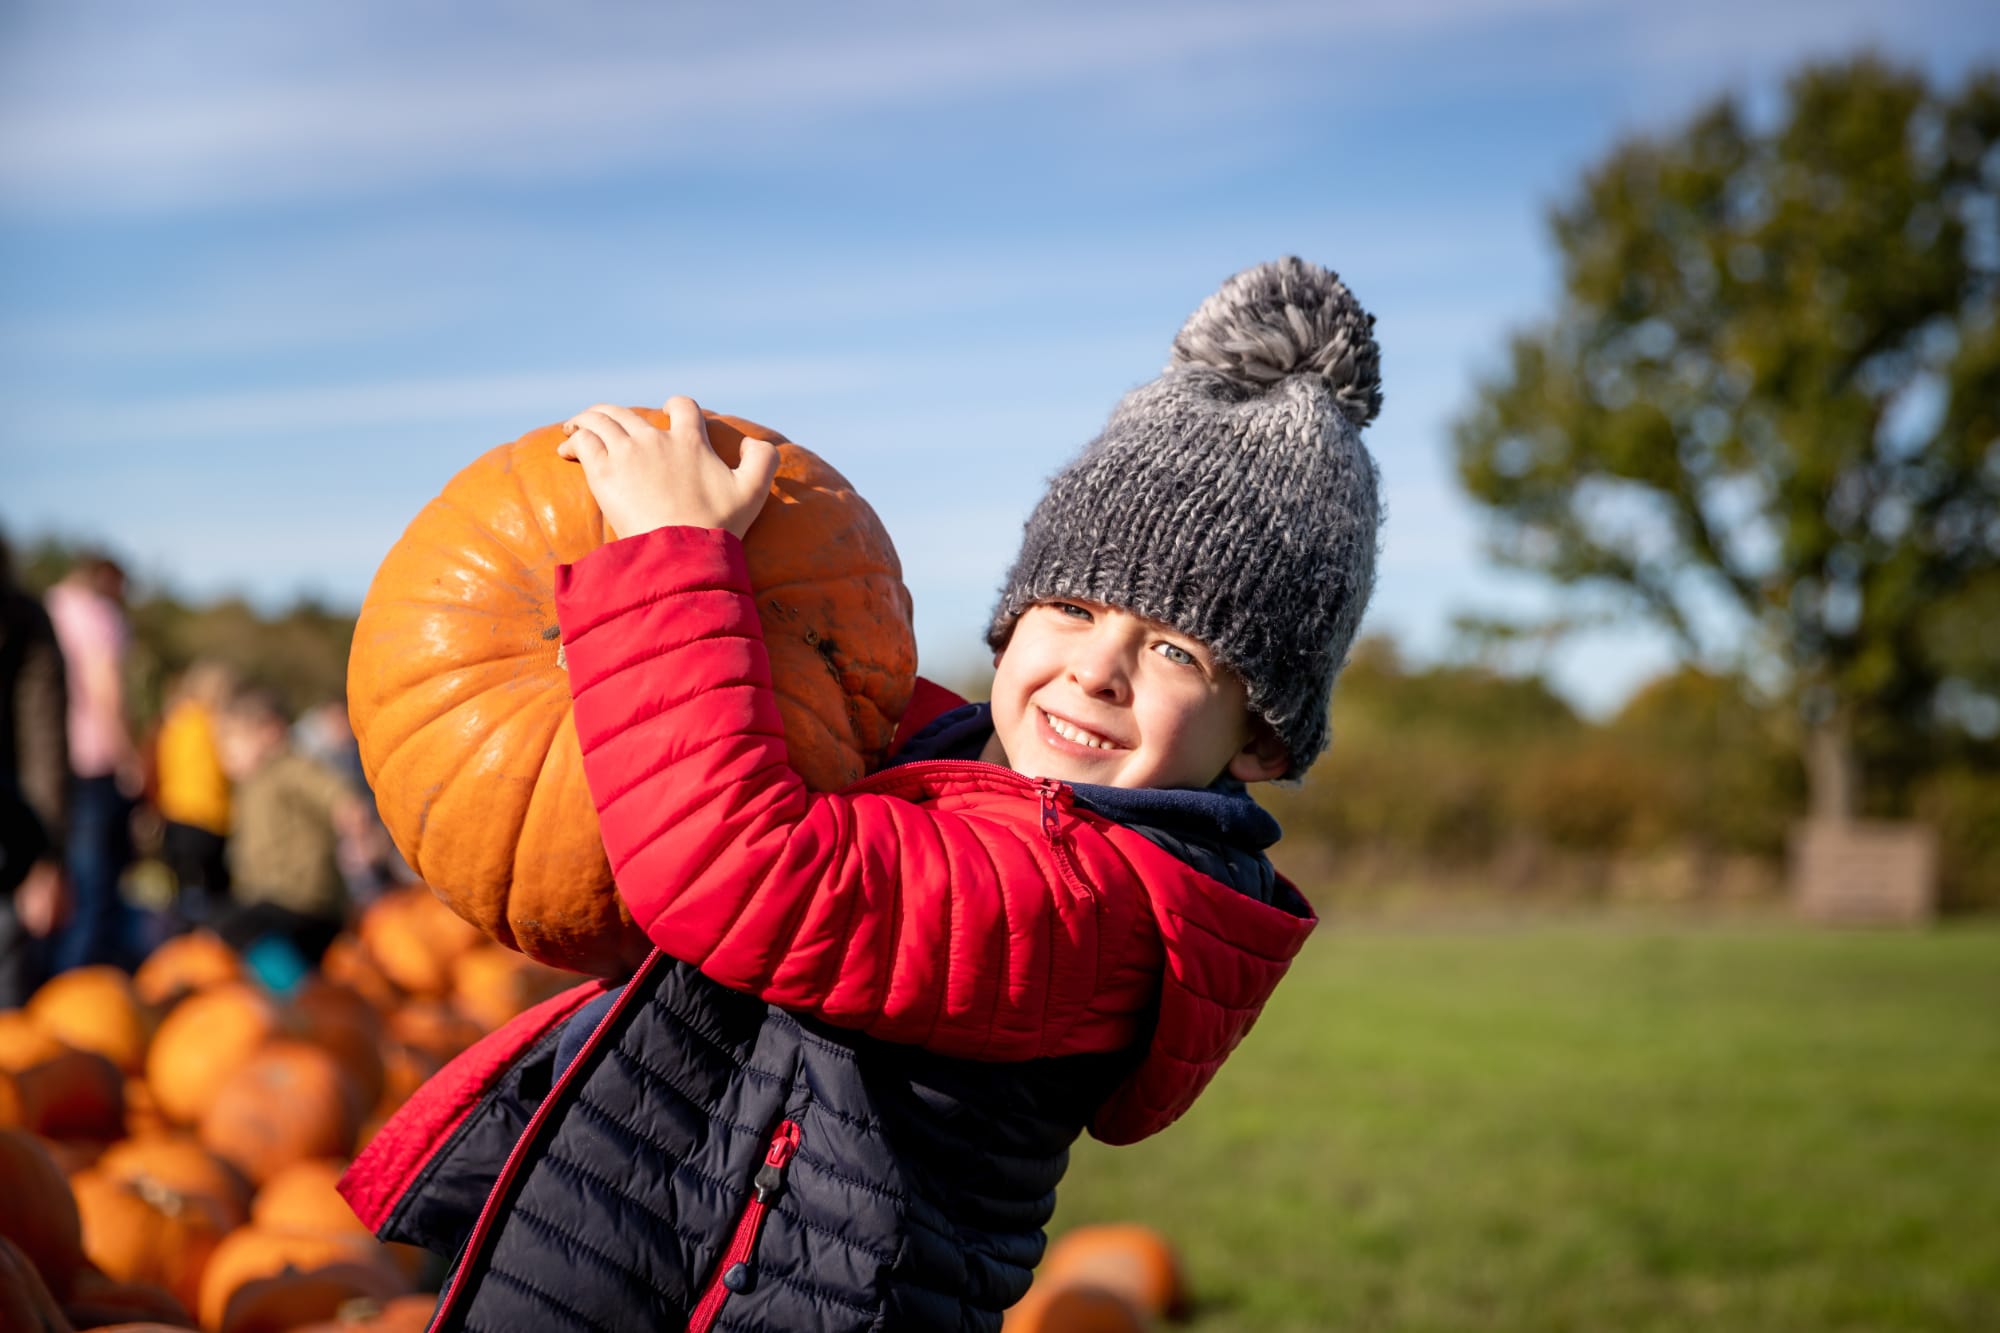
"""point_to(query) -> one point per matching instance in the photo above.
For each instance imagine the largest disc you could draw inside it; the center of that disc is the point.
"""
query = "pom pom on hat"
(1282, 319)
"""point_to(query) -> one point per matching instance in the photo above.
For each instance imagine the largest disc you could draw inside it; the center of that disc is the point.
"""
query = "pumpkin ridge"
(487, 537)
(483, 526)
(534, 510)
(493, 807)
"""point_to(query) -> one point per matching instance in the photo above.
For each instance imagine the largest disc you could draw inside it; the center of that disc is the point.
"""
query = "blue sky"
(270, 274)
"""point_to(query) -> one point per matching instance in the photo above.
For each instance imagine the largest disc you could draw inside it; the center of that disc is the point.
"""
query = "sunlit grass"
(1596, 1127)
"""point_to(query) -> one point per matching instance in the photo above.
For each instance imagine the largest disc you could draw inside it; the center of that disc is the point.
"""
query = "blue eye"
(1178, 656)
(1072, 610)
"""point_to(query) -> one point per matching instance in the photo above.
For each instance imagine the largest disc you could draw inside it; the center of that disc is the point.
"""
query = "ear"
(1262, 757)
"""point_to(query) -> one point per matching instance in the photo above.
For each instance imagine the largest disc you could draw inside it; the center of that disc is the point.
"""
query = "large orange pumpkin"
(463, 711)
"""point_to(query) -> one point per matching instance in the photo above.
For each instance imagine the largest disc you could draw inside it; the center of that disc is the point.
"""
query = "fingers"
(582, 445)
(628, 421)
(757, 466)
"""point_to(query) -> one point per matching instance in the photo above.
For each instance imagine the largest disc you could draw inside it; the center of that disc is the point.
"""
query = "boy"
(841, 1094)
(289, 817)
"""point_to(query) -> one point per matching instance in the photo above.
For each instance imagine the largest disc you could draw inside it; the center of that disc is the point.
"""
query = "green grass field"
(1601, 1127)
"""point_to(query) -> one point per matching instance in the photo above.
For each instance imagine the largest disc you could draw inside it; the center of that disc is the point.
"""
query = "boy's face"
(1089, 693)
(243, 744)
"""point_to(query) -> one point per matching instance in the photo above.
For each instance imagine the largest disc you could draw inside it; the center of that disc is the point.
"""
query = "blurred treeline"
(300, 652)
(1462, 774)
(1456, 775)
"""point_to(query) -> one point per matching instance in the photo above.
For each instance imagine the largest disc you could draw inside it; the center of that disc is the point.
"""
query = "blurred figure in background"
(34, 786)
(87, 609)
(369, 860)
(289, 816)
(192, 791)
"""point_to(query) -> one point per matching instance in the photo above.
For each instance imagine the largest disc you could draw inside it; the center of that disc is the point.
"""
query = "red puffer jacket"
(953, 905)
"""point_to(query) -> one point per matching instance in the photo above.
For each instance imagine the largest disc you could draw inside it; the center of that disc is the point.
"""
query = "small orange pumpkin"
(143, 1117)
(338, 1019)
(185, 964)
(433, 1027)
(24, 1042)
(203, 1041)
(252, 1254)
(101, 1302)
(405, 1068)
(348, 962)
(95, 1009)
(304, 1197)
(40, 1214)
(462, 707)
(74, 1095)
(491, 985)
(291, 1101)
(414, 938)
(139, 1230)
(1074, 1308)
(180, 1164)
(1128, 1258)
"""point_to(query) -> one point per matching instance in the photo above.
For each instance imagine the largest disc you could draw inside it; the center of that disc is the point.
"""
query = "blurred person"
(192, 791)
(370, 861)
(87, 608)
(289, 815)
(34, 786)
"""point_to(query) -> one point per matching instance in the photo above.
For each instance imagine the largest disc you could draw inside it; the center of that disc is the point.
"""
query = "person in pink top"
(87, 609)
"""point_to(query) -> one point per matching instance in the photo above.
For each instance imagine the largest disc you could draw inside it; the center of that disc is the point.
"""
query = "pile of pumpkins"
(170, 1139)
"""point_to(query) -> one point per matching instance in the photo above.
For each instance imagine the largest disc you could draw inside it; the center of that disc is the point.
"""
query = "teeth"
(1076, 734)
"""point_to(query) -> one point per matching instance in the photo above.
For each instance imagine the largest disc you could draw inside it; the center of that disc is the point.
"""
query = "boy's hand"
(645, 478)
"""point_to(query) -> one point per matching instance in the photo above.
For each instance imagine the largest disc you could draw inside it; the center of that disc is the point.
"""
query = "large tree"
(1766, 410)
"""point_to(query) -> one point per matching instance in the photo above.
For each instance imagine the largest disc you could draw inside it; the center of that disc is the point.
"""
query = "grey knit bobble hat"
(1232, 498)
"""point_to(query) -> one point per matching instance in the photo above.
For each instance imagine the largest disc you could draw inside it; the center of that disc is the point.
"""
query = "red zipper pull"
(771, 1175)
(733, 1273)
(1051, 792)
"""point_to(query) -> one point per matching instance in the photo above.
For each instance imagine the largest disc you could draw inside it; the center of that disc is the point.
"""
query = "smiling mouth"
(1076, 735)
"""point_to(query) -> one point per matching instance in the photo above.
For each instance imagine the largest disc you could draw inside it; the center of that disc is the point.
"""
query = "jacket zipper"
(732, 1271)
(481, 1228)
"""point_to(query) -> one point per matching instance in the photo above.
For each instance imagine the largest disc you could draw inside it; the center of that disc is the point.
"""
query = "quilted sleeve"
(966, 933)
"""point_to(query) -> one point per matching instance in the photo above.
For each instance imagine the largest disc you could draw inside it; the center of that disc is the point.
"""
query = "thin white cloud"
(421, 111)
(324, 408)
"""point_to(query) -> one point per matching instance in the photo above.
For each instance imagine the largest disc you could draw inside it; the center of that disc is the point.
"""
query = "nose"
(1101, 665)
